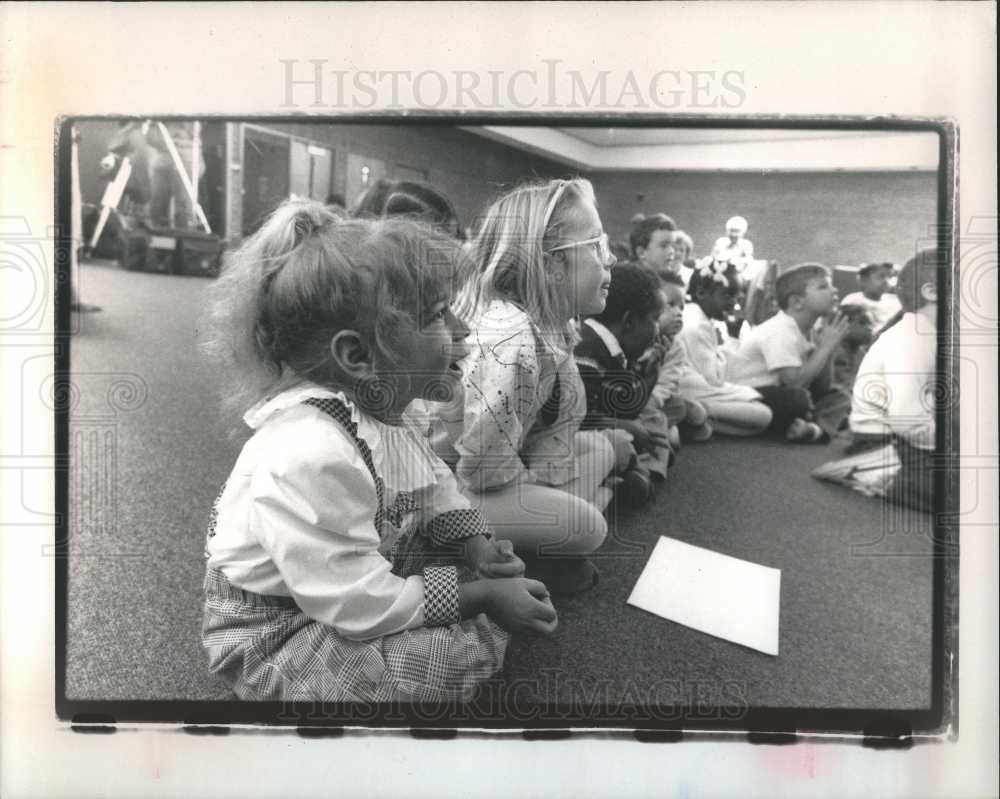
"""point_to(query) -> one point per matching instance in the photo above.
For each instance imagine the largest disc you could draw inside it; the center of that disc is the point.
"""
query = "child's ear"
(928, 292)
(626, 321)
(350, 355)
(556, 267)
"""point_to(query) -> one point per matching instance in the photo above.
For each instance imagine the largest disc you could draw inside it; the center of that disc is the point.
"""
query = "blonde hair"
(680, 237)
(510, 253)
(308, 274)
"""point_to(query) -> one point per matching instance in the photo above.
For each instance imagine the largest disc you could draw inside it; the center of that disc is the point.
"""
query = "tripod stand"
(114, 191)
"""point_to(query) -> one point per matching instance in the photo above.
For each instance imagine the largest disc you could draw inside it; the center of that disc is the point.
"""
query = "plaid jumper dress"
(268, 649)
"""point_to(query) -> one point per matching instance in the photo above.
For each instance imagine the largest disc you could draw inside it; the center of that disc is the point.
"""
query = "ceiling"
(722, 149)
(631, 137)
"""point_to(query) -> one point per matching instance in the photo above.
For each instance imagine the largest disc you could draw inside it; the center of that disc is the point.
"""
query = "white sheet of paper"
(716, 594)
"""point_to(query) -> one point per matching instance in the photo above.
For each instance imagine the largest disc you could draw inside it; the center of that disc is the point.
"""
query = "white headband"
(552, 205)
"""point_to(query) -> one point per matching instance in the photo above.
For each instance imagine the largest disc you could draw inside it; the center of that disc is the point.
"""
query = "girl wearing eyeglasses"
(542, 259)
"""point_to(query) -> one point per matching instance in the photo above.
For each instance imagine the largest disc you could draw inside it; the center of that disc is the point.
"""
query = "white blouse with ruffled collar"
(297, 515)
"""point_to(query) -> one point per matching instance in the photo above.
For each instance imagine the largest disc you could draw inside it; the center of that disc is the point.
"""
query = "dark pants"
(914, 483)
(787, 404)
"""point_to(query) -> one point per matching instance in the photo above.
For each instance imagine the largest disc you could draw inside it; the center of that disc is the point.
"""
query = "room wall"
(830, 217)
(470, 170)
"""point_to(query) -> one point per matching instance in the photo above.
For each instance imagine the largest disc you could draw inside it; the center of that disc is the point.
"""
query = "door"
(265, 175)
(311, 168)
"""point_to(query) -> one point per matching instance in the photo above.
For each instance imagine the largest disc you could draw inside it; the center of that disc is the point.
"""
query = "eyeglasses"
(603, 246)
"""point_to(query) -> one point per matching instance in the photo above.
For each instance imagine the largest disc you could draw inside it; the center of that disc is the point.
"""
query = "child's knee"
(595, 449)
(623, 450)
(695, 412)
(760, 416)
(591, 528)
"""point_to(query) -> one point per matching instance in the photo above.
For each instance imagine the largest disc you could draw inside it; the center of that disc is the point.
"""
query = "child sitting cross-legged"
(618, 384)
(683, 411)
(343, 562)
(786, 360)
(733, 410)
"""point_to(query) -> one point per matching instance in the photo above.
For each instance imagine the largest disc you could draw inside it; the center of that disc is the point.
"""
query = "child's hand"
(621, 442)
(645, 440)
(832, 334)
(493, 558)
(520, 605)
(651, 369)
(659, 347)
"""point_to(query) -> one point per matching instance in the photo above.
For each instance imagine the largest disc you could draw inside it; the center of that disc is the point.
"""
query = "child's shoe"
(674, 438)
(802, 432)
(635, 489)
(696, 414)
(701, 432)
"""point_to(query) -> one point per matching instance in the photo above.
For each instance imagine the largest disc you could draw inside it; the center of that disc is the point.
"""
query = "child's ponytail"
(307, 274)
(238, 334)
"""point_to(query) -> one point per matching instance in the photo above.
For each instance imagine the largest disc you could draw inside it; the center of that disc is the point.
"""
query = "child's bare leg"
(739, 418)
(595, 458)
(541, 519)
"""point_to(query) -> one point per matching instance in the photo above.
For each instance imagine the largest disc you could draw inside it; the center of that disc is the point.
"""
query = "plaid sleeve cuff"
(440, 596)
(454, 525)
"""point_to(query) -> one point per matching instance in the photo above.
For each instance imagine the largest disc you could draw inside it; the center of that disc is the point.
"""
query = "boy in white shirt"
(875, 296)
(784, 359)
(894, 389)
(894, 393)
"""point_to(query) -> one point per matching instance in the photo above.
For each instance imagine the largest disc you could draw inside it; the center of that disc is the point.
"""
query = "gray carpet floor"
(149, 453)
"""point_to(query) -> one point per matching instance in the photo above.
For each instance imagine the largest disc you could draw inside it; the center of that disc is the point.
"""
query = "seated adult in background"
(734, 247)
(785, 359)
(874, 295)
(651, 240)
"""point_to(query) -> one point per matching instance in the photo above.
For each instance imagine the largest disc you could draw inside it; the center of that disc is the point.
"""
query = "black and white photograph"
(546, 425)
(401, 402)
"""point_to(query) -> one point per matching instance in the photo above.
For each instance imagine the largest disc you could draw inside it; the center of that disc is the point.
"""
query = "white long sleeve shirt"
(895, 386)
(296, 517)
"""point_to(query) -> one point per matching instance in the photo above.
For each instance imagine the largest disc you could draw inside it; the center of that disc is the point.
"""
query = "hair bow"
(712, 269)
